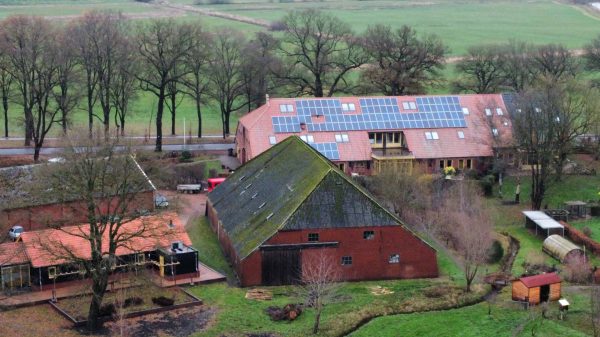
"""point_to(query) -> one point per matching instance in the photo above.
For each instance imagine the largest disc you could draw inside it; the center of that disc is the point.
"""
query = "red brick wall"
(39, 217)
(369, 257)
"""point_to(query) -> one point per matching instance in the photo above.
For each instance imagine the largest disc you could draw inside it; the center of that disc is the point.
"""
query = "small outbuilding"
(560, 248)
(536, 289)
(542, 223)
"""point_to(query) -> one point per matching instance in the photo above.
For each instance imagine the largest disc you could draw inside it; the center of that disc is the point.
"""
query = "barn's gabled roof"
(291, 186)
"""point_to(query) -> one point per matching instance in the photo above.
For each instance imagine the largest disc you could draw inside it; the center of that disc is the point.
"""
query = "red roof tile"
(540, 280)
(12, 253)
(48, 247)
(478, 138)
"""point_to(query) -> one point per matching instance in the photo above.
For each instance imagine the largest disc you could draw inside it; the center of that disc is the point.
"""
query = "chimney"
(267, 99)
(171, 223)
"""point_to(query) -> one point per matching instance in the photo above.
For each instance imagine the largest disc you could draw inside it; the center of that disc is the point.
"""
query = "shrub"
(186, 157)
(449, 171)
(495, 252)
(577, 270)
(587, 231)
(107, 309)
(133, 301)
(487, 184)
(163, 301)
(277, 26)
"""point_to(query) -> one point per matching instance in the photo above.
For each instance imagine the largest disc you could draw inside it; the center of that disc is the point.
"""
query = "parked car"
(161, 201)
(15, 232)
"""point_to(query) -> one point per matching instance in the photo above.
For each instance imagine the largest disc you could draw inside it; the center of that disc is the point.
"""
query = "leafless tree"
(555, 62)
(163, 46)
(403, 62)
(172, 102)
(480, 70)
(67, 94)
(258, 68)
(33, 63)
(592, 54)
(517, 70)
(6, 87)
(319, 51)
(197, 61)
(125, 85)
(320, 282)
(226, 74)
(108, 181)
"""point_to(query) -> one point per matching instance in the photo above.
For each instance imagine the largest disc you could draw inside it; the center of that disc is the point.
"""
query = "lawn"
(209, 250)
(593, 224)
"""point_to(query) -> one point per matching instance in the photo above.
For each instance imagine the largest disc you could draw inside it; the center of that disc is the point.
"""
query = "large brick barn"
(27, 199)
(289, 204)
(365, 135)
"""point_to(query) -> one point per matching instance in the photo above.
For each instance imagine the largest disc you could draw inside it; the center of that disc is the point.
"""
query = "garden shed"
(560, 248)
(543, 223)
(536, 289)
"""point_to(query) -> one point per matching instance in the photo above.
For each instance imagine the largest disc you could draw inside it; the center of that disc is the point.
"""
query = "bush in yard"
(487, 184)
(587, 231)
(186, 157)
(107, 309)
(163, 301)
(288, 313)
(577, 270)
(496, 252)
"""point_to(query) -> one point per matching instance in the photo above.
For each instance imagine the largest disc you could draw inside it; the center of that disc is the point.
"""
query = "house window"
(348, 107)
(342, 138)
(465, 111)
(461, 164)
(441, 164)
(140, 258)
(435, 135)
(286, 108)
(499, 111)
(368, 235)
(469, 164)
(272, 140)
(379, 138)
(394, 258)
(313, 237)
(449, 162)
(488, 112)
(345, 138)
(371, 137)
(495, 132)
(461, 135)
(409, 105)
(428, 135)
(346, 260)
(308, 138)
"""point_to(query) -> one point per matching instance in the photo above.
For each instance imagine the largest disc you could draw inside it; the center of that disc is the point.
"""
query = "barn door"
(281, 267)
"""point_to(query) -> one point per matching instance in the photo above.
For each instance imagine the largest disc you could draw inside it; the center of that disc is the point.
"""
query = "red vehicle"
(214, 182)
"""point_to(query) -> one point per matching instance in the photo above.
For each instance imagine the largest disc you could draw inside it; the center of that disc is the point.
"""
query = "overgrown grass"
(209, 250)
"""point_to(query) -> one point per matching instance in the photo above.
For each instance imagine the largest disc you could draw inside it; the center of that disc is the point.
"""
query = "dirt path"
(227, 16)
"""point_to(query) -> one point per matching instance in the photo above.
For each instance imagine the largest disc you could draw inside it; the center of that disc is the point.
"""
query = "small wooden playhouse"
(536, 289)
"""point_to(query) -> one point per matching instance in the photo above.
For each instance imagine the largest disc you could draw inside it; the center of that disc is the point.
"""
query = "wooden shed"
(536, 289)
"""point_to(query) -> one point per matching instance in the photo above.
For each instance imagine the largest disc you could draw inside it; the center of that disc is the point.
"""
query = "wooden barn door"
(281, 267)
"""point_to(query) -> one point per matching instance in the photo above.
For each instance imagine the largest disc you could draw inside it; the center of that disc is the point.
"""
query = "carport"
(543, 223)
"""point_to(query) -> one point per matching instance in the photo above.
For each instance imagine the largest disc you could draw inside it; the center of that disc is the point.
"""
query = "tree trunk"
(5, 107)
(123, 125)
(199, 114)
(63, 122)
(98, 290)
(36, 152)
(173, 97)
(90, 106)
(159, 114)
(28, 127)
(317, 322)
(318, 87)
(227, 123)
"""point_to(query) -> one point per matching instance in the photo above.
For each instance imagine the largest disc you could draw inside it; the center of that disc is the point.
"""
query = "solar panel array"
(329, 150)
(377, 114)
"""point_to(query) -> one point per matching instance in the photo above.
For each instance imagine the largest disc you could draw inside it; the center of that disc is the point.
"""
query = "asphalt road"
(166, 148)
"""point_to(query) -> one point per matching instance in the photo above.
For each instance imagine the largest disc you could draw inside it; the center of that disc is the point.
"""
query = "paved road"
(166, 148)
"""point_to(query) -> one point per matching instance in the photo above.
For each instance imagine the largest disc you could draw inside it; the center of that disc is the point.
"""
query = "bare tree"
(163, 46)
(226, 74)
(592, 55)
(125, 85)
(555, 62)
(319, 284)
(197, 61)
(6, 88)
(480, 70)
(319, 51)
(517, 70)
(67, 94)
(108, 181)
(403, 62)
(258, 68)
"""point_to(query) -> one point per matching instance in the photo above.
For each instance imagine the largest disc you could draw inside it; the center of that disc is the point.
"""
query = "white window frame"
(311, 138)
(461, 134)
(405, 106)
(428, 136)
(348, 107)
(465, 111)
(338, 138)
(394, 259)
(488, 112)
(435, 135)
(303, 137)
(345, 138)
(286, 108)
(272, 140)
(412, 105)
(499, 111)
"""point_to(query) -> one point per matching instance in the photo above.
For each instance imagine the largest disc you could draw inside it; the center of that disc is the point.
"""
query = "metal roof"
(542, 220)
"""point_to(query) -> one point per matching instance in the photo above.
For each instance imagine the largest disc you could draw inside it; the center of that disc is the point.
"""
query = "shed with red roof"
(537, 288)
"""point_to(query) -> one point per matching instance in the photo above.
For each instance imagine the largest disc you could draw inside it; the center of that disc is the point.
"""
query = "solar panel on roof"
(376, 114)
(329, 150)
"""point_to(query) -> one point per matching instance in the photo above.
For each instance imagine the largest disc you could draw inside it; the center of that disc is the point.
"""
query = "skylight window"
(488, 112)
(499, 111)
(495, 132)
(308, 138)
(409, 105)
(461, 135)
(286, 108)
(435, 135)
(428, 135)
(272, 140)
(465, 111)
(431, 135)
(348, 107)
(342, 138)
